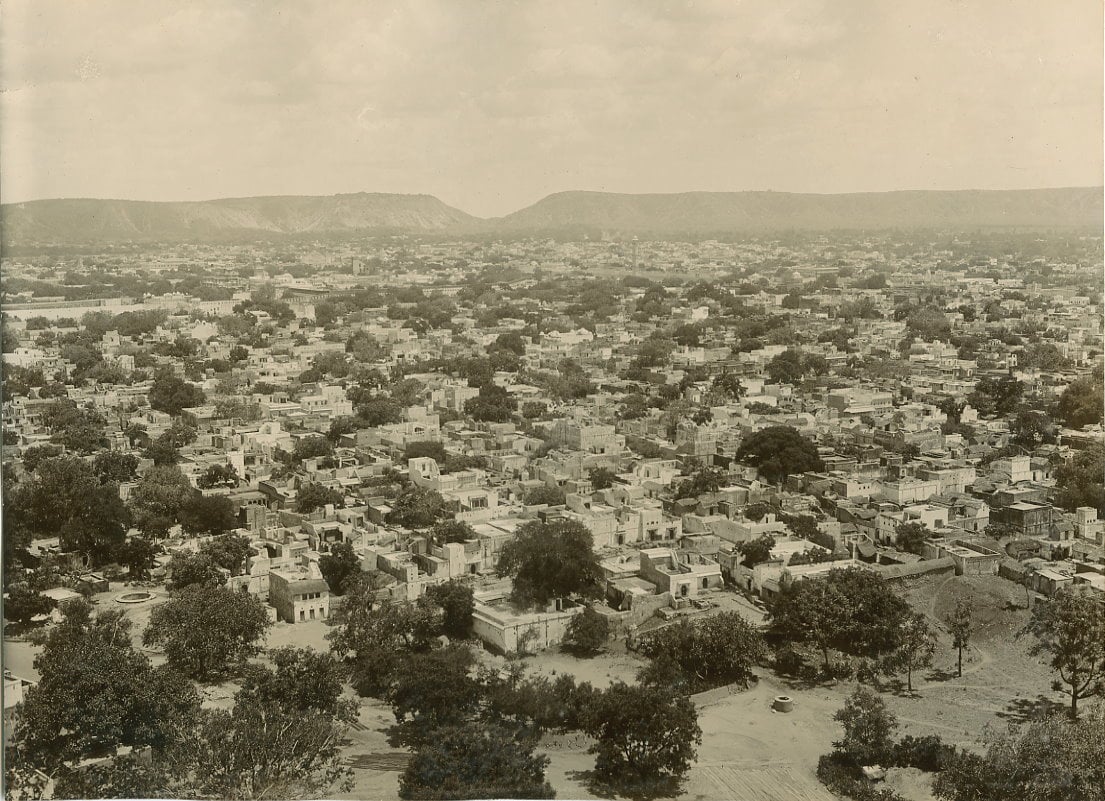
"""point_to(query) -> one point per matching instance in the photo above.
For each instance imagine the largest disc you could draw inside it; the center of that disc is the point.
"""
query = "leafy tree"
(779, 451)
(22, 604)
(553, 496)
(1071, 628)
(494, 405)
(756, 551)
(416, 507)
(190, 569)
(341, 427)
(311, 496)
(218, 475)
(729, 385)
(36, 454)
(959, 623)
(548, 560)
(161, 451)
(534, 410)
(433, 689)
(1031, 428)
(228, 551)
(474, 760)
(95, 692)
(645, 738)
(303, 680)
(157, 501)
(587, 633)
(704, 481)
(207, 515)
(423, 449)
(171, 394)
(205, 630)
(811, 611)
(372, 635)
(705, 653)
(1081, 403)
(312, 447)
(457, 605)
(65, 499)
(1081, 481)
(115, 467)
(1051, 758)
(452, 531)
(338, 565)
(138, 555)
(77, 429)
(996, 397)
(915, 649)
(868, 728)
(601, 477)
(911, 537)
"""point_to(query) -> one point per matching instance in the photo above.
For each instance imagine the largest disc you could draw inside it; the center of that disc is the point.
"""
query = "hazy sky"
(492, 105)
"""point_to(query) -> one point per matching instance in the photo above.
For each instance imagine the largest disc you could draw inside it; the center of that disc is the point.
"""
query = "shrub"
(927, 753)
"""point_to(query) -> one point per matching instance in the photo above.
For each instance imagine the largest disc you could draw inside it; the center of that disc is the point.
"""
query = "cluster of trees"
(690, 657)
(281, 737)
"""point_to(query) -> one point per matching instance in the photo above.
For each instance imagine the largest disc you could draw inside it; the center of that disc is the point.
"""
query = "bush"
(789, 662)
(928, 753)
(840, 774)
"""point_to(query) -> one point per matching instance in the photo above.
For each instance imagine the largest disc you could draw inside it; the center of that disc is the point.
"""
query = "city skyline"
(492, 106)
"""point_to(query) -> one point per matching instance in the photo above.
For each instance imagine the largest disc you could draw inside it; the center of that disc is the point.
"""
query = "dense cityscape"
(770, 516)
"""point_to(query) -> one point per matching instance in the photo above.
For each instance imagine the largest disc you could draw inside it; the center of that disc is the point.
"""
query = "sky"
(491, 105)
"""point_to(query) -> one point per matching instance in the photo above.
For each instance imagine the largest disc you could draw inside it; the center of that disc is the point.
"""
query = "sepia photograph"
(637, 400)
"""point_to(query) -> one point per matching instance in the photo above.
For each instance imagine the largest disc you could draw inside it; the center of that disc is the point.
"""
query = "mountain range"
(81, 221)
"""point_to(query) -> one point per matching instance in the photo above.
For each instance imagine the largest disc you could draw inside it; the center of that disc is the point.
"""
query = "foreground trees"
(1053, 759)
(206, 630)
(645, 739)
(1071, 628)
(710, 652)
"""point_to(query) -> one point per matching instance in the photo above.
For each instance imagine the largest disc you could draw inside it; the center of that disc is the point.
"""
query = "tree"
(1081, 481)
(1071, 628)
(911, 537)
(601, 477)
(207, 515)
(552, 496)
(587, 633)
(868, 728)
(915, 649)
(729, 385)
(338, 565)
(158, 499)
(95, 692)
(853, 611)
(1081, 403)
(423, 449)
(205, 630)
(703, 654)
(187, 569)
(644, 737)
(704, 481)
(171, 394)
(138, 555)
(475, 760)
(553, 559)
(416, 507)
(228, 551)
(1053, 758)
(341, 427)
(959, 623)
(1031, 428)
(433, 689)
(779, 451)
(311, 496)
(218, 475)
(379, 410)
(161, 451)
(22, 604)
(65, 499)
(452, 531)
(303, 680)
(36, 454)
(457, 604)
(312, 447)
(115, 467)
(756, 551)
(996, 397)
(493, 405)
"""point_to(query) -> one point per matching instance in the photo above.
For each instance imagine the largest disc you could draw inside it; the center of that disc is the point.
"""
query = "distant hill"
(727, 212)
(692, 213)
(72, 221)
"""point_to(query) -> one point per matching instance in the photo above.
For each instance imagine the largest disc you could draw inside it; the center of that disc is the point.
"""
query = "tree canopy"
(548, 560)
(779, 451)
